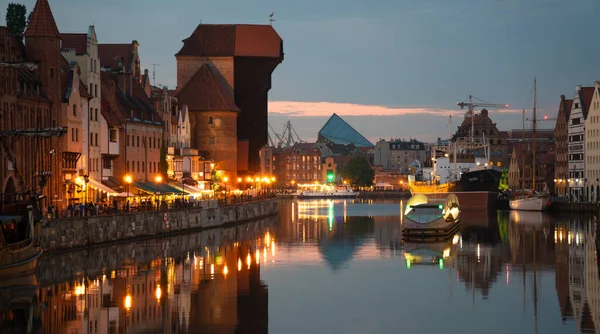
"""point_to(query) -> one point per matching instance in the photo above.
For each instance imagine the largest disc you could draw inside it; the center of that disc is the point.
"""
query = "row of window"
(94, 139)
(575, 138)
(134, 141)
(74, 135)
(302, 167)
(140, 166)
(94, 165)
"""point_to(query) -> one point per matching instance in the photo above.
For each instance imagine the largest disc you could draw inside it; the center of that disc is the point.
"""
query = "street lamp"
(128, 180)
(225, 179)
(158, 179)
(86, 178)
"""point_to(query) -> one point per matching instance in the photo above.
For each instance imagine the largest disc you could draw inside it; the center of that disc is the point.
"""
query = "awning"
(153, 188)
(98, 185)
(191, 189)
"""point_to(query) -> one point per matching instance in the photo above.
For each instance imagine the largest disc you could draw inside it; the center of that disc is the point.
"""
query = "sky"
(392, 69)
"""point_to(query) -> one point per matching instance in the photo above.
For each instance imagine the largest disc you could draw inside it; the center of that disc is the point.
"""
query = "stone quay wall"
(77, 232)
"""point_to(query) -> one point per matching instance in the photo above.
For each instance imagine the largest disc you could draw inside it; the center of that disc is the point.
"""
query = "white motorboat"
(426, 218)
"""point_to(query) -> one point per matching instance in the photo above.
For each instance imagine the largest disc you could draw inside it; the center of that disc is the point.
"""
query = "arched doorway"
(10, 187)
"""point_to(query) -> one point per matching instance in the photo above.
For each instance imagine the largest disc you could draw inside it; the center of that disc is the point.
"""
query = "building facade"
(576, 133)
(592, 145)
(24, 104)
(485, 130)
(83, 49)
(561, 134)
(397, 155)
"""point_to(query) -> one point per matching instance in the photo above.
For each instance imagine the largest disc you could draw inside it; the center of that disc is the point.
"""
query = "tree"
(16, 20)
(163, 165)
(358, 172)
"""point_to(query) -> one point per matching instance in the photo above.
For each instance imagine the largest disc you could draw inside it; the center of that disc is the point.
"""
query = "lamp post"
(128, 179)
(86, 178)
(158, 179)
(225, 179)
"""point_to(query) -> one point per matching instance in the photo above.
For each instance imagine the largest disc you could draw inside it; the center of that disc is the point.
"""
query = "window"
(138, 166)
(76, 134)
(96, 137)
(576, 121)
(576, 106)
(112, 133)
(72, 134)
(74, 110)
(91, 86)
(210, 120)
(51, 72)
(91, 138)
(138, 141)
(96, 90)
(127, 140)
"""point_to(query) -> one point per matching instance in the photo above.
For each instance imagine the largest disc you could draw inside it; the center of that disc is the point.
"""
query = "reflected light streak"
(478, 253)
(248, 260)
(265, 254)
(212, 268)
(257, 257)
(273, 248)
(239, 264)
(507, 275)
(225, 270)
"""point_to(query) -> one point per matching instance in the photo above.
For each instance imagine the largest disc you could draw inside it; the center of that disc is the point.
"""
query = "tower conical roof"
(42, 21)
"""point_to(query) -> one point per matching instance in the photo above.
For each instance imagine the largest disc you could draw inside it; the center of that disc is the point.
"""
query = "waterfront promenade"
(77, 232)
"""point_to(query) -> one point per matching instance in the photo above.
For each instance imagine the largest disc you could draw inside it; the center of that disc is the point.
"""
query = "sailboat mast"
(523, 153)
(533, 162)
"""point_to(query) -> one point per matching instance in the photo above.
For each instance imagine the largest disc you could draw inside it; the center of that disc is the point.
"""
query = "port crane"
(287, 139)
(478, 103)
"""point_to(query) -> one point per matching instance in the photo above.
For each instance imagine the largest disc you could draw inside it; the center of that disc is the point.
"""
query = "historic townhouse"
(83, 49)
(141, 128)
(24, 103)
(592, 145)
(561, 133)
(576, 134)
(74, 104)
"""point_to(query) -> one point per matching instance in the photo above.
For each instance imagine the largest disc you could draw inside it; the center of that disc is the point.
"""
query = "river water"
(324, 267)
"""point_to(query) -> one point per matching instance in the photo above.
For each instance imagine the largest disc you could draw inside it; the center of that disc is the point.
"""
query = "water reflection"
(492, 257)
(331, 266)
(190, 283)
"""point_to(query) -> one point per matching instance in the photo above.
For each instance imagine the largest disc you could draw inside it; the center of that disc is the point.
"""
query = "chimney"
(597, 84)
(562, 97)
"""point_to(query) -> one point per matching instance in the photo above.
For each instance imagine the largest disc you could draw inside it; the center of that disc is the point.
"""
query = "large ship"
(325, 191)
(457, 170)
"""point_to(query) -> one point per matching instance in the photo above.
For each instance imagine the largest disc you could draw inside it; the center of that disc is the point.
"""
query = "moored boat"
(326, 191)
(528, 200)
(19, 244)
(430, 219)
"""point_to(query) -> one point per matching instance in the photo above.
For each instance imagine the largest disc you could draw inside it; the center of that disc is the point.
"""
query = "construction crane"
(479, 103)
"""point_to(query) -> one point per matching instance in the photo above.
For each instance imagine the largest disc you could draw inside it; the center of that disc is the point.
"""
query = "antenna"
(154, 73)
(271, 19)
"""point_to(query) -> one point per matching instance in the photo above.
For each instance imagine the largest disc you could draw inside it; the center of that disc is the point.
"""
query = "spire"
(42, 21)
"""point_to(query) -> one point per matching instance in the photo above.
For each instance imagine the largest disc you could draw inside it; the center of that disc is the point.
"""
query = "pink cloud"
(292, 108)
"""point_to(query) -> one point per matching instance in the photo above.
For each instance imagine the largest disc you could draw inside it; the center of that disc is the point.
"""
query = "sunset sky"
(390, 68)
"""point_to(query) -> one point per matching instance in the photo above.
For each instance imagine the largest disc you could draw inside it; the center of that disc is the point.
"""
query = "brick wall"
(188, 66)
(223, 131)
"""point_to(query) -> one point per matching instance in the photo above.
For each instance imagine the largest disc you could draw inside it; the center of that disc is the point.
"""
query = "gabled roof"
(213, 40)
(78, 42)
(567, 104)
(42, 21)
(303, 148)
(206, 91)
(585, 98)
(337, 131)
(111, 55)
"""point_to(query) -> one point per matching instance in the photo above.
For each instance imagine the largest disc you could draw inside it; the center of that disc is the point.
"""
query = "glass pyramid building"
(337, 131)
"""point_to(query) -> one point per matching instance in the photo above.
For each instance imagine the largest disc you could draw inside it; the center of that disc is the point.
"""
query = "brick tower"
(42, 45)
(243, 57)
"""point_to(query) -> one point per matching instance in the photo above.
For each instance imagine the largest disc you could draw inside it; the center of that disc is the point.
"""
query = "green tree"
(16, 20)
(503, 180)
(358, 172)
(163, 165)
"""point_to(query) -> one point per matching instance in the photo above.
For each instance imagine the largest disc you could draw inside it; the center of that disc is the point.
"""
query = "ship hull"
(535, 203)
(476, 190)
